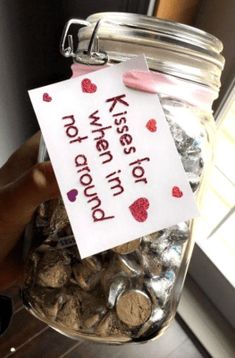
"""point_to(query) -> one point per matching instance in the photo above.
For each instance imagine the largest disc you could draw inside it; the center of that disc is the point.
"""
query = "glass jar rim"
(183, 32)
(171, 38)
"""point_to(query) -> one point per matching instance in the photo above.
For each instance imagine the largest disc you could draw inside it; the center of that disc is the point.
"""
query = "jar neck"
(171, 48)
(161, 84)
(167, 85)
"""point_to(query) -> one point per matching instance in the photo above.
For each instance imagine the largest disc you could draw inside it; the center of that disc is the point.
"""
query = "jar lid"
(173, 48)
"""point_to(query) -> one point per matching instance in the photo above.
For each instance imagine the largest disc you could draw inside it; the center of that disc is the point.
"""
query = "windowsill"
(213, 283)
(205, 322)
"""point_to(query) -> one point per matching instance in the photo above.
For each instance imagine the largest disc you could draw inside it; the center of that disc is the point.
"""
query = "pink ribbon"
(156, 82)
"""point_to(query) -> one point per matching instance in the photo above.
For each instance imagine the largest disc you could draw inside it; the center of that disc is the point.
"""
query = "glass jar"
(129, 293)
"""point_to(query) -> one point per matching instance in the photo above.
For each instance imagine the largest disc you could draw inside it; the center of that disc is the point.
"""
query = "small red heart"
(152, 125)
(46, 97)
(72, 195)
(176, 192)
(139, 209)
(88, 86)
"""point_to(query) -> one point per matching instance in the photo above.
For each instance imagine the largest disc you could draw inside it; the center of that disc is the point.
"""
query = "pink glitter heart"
(46, 97)
(176, 192)
(152, 125)
(88, 86)
(72, 195)
(139, 209)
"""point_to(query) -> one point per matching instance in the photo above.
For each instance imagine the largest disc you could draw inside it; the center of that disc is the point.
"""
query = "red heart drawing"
(88, 86)
(46, 97)
(72, 195)
(152, 125)
(176, 192)
(139, 209)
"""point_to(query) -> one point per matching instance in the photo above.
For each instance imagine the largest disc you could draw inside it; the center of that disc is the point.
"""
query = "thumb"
(18, 201)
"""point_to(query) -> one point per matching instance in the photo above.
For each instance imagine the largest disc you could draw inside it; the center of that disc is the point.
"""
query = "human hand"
(23, 186)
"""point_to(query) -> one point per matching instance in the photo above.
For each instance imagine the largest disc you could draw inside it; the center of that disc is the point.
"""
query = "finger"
(19, 200)
(21, 160)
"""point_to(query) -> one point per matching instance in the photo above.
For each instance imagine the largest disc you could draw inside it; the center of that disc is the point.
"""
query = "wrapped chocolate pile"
(129, 293)
(122, 294)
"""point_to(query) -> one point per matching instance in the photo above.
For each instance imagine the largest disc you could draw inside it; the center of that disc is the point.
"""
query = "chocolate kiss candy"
(127, 248)
(155, 318)
(118, 285)
(133, 308)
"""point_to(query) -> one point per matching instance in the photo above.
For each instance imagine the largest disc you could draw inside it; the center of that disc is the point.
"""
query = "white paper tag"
(116, 163)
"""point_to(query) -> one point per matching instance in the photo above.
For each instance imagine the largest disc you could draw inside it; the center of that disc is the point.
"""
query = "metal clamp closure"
(90, 56)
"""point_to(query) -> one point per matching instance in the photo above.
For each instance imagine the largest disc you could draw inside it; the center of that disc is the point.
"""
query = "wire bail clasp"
(89, 56)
